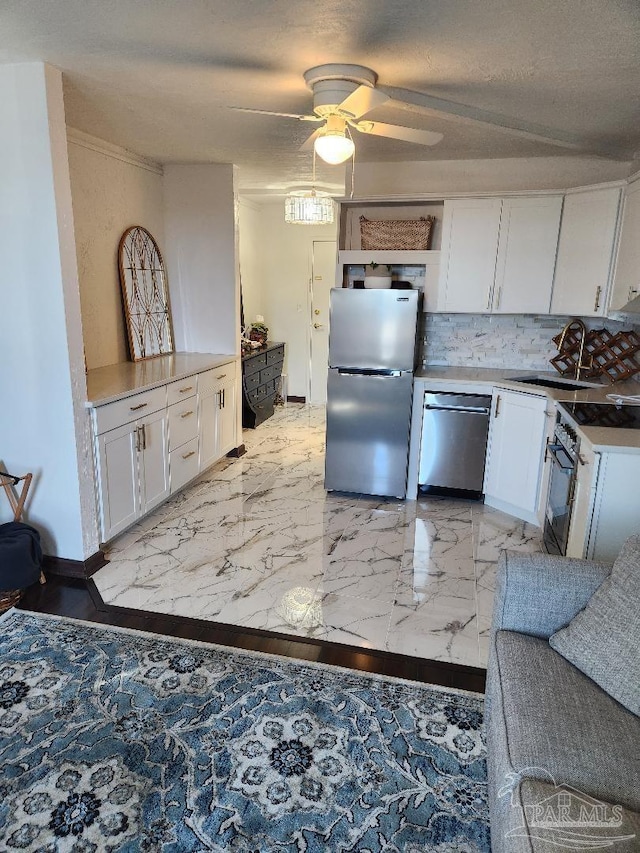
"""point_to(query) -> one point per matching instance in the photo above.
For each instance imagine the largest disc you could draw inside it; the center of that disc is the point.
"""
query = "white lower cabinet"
(143, 458)
(183, 463)
(515, 452)
(118, 487)
(606, 503)
(216, 413)
(133, 472)
(153, 461)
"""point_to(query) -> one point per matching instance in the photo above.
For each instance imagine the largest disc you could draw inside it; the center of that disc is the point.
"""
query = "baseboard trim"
(238, 451)
(74, 568)
(292, 399)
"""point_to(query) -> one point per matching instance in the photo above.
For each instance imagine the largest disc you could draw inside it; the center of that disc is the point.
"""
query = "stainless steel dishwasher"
(454, 440)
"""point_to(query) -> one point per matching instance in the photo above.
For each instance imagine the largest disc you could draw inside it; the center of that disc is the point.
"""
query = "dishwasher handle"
(456, 400)
(472, 410)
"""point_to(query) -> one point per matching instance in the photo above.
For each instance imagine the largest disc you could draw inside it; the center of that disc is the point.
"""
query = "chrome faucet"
(583, 339)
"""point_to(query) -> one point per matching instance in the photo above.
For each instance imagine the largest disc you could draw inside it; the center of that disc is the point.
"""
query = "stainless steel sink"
(559, 383)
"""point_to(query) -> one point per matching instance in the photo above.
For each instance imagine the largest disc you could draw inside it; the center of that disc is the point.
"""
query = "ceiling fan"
(342, 95)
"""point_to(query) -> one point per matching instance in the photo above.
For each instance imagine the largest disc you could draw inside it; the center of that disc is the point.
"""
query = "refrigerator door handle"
(383, 374)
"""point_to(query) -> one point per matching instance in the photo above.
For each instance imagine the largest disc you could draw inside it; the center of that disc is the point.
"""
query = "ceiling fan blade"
(283, 115)
(362, 101)
(394, 131)
(431, 105)
(307, 145)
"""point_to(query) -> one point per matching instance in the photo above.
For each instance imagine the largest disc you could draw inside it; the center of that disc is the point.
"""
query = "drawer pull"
(186, 414)
(187, 455)
(222, 376)
(135, 408)
(188, 388)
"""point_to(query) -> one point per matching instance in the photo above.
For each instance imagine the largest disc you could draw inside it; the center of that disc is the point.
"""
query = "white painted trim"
(247, 202)
(633, 178)
(424, 197)
(93, 143)
(591, 187)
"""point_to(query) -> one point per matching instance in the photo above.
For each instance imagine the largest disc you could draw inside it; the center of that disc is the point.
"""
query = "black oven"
(563, 454)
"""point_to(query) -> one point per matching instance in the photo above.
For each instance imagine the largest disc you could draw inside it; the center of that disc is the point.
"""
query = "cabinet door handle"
(219, 396)
(596, 304)
(187, 455)
(143, 428)
(138, 445)
(224, 398)
(497, 411)
(186, 414)
(222, 376)
(188, 388)
(135, 408)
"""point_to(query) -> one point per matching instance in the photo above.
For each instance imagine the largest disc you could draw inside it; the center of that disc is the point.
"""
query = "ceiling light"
(309, 208)
(334, 145)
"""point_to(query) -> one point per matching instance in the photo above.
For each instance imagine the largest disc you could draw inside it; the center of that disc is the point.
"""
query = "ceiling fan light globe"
(334, 148)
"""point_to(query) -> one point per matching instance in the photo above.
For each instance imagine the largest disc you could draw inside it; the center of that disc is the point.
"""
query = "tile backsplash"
(510, 341)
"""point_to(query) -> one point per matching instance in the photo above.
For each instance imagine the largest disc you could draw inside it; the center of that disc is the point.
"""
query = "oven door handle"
(554, 451)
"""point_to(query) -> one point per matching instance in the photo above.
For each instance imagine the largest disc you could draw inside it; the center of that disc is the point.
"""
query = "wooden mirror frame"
(145, 295)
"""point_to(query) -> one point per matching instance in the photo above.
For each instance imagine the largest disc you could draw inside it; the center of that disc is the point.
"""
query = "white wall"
(287, 253)
(111, 191)
(251, 258)
(202, 257)
(41, 358)
(471, 176)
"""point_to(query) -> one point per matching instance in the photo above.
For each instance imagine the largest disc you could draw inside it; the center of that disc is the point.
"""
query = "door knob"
(317, 311)
(318, 326)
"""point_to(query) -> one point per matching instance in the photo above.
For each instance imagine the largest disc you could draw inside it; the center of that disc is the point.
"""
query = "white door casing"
(323, 269)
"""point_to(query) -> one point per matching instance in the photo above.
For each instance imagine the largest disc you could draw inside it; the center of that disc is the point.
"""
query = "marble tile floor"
(257, 542)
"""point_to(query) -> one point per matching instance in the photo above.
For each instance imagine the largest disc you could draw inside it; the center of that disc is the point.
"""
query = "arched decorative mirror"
(145, 295)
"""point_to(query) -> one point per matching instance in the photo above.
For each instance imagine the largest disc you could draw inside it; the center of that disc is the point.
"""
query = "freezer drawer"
(368, 418)
(373, 328)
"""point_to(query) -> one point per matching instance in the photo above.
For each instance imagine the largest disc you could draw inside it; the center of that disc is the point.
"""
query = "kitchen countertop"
(116, 381)
(484, 379)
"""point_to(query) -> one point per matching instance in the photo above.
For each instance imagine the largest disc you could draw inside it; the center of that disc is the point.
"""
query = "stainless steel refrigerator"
(372, 353)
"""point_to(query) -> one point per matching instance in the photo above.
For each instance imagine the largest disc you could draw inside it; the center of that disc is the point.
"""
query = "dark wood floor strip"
(80, 599)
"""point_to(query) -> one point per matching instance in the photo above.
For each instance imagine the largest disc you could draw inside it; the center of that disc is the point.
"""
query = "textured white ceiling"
(158, 76)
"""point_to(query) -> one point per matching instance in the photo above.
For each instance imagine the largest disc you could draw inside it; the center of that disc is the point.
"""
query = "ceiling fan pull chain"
(353, 163)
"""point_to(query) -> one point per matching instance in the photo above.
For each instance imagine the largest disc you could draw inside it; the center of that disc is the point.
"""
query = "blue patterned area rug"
(112, 739)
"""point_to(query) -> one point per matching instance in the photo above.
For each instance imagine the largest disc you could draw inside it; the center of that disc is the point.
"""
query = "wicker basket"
(9, 598)
(396, 234)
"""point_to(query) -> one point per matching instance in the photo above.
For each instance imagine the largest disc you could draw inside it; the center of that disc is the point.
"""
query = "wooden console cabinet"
(261, 372)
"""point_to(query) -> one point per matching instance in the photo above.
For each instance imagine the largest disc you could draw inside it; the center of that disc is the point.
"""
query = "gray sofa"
(548, 724)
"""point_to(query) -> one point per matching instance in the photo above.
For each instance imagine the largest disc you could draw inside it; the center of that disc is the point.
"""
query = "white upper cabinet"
(626, 284)
(499, 254)
(585, 252)
(527, 246)
(468, 261)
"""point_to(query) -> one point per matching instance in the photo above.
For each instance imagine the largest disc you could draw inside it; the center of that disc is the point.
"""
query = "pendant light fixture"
(334, 145)
(308, 207)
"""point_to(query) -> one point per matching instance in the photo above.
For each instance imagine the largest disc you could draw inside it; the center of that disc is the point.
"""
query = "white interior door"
(323, 272)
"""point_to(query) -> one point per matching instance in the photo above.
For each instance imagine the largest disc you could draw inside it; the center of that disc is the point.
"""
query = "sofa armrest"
(538, 594)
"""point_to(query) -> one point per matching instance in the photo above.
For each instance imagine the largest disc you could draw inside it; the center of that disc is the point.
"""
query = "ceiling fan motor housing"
(332, 83)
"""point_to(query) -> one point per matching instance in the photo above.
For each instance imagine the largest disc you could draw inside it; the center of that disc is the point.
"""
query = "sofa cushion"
(539, 804)
(603, 639)
(559, 722)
